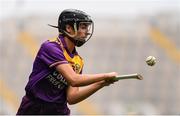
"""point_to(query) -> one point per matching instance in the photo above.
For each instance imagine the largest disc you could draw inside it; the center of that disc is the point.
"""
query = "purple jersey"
(45, 83)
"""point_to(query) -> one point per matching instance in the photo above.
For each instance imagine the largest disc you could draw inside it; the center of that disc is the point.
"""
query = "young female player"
(57, 69)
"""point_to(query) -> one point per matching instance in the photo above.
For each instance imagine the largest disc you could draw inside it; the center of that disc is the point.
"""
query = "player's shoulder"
(51, 44)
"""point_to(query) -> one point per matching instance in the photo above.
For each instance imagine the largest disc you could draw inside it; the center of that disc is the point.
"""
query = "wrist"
(100, 84)
(106, 76)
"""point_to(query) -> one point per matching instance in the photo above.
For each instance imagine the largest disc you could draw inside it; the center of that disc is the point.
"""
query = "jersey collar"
(61, 38)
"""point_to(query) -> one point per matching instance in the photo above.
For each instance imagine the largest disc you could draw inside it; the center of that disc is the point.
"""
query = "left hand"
(107, 82)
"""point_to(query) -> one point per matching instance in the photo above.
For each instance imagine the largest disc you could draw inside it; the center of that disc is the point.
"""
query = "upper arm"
(67, 72)
(51, 54)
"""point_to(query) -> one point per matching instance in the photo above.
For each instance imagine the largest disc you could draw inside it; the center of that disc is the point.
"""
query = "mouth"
(83, 38)
(87, 35)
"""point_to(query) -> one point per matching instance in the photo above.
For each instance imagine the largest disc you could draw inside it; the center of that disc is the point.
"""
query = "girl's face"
(83, 30)
(81, 34)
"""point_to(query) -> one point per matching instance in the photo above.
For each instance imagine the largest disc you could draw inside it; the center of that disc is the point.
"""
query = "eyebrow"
(84, 24)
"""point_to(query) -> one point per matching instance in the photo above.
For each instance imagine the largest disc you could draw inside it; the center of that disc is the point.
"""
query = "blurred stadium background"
(126, 32)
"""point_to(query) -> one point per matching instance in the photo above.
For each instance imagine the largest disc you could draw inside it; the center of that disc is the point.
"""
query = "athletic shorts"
(31, 106)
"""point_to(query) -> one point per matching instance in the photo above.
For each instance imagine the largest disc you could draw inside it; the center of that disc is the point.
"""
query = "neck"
(70, 44)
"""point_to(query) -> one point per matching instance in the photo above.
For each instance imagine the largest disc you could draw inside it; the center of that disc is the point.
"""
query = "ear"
(68, 28)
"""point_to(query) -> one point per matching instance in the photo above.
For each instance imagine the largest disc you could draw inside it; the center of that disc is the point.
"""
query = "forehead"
(85, 23)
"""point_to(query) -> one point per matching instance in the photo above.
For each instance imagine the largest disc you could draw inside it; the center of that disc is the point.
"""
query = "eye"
(84, 27)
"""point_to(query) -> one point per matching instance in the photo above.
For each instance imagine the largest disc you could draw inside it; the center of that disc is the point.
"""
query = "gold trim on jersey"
(76, 62)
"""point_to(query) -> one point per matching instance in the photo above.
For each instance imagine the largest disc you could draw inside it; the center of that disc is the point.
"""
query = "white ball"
(151, 60)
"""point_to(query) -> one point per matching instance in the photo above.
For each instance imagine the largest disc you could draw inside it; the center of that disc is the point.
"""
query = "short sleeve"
(51, 54)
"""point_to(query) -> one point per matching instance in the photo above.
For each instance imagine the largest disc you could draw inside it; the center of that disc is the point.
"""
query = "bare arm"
(77, 80)
(75, 95)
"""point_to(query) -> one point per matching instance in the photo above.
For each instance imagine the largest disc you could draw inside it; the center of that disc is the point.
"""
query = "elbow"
(74, 82)
(71, 101)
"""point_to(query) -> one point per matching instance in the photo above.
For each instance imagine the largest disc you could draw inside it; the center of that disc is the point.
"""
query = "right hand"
(109, 79)
(110, 76)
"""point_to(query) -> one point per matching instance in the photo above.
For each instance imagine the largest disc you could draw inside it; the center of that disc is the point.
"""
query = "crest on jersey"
(76, 67)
